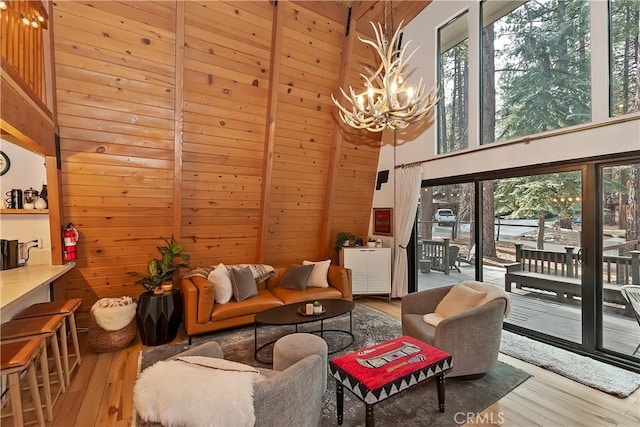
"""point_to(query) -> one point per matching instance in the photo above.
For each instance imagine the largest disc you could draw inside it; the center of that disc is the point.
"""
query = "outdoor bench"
(560, 272)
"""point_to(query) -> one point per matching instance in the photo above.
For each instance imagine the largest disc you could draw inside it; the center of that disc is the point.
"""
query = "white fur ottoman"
(292, 348)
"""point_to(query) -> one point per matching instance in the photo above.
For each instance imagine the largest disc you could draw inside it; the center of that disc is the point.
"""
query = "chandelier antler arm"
(387, 102)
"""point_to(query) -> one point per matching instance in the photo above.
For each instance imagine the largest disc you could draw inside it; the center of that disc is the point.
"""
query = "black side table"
(159, 316)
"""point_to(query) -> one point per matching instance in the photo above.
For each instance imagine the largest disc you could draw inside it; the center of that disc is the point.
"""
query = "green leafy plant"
(161, 270)
(342, 237)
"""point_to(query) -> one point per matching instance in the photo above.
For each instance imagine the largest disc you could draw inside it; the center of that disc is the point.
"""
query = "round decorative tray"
(301, 311)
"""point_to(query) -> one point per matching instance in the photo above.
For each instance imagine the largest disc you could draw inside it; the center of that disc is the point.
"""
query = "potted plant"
(343, 238)
(160, 271)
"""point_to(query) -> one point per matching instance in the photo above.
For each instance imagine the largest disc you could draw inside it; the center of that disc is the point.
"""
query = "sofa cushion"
(244, 285)
(318, 277)
(296, 277)
(206, 295)
(253, 305)
(289, 296)
(221, 280)
(460, 298)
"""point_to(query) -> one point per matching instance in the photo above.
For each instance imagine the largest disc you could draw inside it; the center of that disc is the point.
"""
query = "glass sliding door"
(537, 233)
(445, 248)
(620, 230)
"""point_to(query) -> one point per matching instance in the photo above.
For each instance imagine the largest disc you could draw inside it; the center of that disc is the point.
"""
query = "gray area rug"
(587, 371)
(417, 406)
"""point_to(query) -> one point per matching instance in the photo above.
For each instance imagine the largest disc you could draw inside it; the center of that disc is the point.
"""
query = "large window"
(535, 67)
(453, 109)
(625, 78)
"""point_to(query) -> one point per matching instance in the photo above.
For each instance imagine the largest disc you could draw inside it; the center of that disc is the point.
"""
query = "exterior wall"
(420, 145)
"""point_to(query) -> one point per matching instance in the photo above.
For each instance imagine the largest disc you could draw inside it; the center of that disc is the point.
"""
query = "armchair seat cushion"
(415, 326)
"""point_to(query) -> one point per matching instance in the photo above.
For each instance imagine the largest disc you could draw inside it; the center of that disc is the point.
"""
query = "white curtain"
(408, 181)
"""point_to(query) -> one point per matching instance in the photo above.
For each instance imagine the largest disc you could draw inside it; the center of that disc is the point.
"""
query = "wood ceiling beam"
(178, 120)
(324, 241)
(270, 131)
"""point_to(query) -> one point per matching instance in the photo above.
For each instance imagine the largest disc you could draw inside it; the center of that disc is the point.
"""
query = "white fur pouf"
(191, 391)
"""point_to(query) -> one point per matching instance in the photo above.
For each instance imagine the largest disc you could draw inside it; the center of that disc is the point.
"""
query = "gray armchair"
(292, 397)
(472, 337)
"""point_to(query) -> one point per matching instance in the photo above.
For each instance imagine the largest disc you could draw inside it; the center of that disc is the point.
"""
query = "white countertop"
(19, 281)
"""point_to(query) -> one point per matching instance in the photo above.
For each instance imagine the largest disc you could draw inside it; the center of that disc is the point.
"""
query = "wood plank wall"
(117, 72)
(227, 67)
(115, 90)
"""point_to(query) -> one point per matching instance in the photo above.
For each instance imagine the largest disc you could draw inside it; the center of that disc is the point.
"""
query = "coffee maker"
(8, 254)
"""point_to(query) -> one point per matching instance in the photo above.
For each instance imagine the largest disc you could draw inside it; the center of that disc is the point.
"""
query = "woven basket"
(102, 341)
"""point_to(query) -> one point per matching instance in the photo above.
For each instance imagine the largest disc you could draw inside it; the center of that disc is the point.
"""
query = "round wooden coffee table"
(288, 315)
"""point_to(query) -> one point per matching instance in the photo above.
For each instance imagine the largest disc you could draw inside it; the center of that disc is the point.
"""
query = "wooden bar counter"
(19, 282)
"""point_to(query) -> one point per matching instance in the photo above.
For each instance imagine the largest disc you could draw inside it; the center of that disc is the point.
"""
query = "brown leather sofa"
(236, 313)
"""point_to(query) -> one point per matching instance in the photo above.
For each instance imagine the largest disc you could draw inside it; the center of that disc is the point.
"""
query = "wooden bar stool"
(66, 308)
(15, 357)
(46, 327)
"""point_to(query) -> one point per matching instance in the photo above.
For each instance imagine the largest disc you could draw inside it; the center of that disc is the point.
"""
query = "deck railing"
(621, 270)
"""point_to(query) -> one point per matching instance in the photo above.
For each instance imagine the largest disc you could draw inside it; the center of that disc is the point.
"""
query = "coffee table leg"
(369, 420)
(339, 401)
(255, 340)
(441, 392)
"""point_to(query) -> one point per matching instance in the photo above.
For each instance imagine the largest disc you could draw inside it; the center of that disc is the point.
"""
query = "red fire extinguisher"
(70, 235)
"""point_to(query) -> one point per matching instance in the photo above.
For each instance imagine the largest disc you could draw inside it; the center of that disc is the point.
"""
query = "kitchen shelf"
(24, 211)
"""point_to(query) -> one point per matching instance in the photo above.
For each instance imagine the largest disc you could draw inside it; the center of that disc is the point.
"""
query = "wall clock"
(5, 164)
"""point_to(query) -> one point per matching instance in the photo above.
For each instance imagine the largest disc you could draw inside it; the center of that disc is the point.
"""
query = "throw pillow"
(296, 277)
(460, 298)
(206, 296)
(244, 285)
(318, 277)
(221, 279)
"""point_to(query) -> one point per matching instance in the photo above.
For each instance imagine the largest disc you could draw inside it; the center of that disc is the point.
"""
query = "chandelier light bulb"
(34, 23)
(3, 5)
(391, 104)
(25, 20)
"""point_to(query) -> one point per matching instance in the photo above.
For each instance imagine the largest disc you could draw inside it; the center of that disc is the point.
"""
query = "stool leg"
(65, 351)
(56, 359)
(35, 393)
(74, 337)
(44, 367)
(16, 400)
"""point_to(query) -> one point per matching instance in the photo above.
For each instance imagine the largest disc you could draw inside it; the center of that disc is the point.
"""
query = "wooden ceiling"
(372, 10)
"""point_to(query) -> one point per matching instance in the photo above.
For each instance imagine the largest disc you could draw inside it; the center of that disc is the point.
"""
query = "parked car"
(445, 217)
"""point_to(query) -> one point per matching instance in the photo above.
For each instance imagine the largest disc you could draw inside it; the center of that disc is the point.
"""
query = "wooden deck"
(543, 313)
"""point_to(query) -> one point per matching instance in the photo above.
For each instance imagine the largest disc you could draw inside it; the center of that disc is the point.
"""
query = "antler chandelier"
(387, 102)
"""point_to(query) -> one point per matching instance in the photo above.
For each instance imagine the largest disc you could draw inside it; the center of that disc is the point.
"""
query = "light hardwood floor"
(101, 394)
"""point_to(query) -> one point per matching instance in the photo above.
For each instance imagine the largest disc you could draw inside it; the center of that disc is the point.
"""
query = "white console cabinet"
(371, 268)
